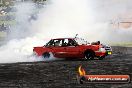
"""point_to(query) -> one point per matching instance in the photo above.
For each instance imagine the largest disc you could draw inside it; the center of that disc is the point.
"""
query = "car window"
(61, 42)
(50, 43)
(71, 43)
(58, 42)
(65, 42)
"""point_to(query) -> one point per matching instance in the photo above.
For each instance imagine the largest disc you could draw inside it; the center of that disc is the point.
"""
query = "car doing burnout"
(70, 48)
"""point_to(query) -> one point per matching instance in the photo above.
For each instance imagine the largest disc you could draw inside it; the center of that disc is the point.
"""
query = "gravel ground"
(63, 73)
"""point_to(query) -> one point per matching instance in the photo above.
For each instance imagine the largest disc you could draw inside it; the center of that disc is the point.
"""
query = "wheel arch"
(46, 50)
(89, 50)
(46, 55)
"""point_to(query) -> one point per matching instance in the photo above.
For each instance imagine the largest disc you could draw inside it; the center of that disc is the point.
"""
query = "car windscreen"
(49, 43)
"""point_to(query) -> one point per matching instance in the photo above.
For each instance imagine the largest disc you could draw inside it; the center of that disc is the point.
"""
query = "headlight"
(102, 49)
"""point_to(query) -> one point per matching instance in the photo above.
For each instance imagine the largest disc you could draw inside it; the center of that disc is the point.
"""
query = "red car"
(70, 48)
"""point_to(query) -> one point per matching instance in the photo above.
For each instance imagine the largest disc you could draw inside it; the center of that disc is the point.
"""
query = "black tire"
(101, 57)
(46, 55)
(89, 55)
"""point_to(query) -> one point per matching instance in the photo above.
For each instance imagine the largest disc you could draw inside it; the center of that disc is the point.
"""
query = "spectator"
(3, 27)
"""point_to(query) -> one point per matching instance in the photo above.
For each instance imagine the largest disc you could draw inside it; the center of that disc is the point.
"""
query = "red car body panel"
(68, 51)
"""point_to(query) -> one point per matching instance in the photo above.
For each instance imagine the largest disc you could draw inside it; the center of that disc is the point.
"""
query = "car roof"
(62, 38)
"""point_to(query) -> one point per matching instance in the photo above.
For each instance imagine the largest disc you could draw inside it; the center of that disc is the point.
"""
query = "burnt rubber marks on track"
(63, 73)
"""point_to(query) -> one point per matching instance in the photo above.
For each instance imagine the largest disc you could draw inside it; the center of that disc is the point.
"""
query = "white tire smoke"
(63, 18)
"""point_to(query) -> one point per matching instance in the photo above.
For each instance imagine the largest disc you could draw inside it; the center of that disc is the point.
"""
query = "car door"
(72, 49)
(58, 49)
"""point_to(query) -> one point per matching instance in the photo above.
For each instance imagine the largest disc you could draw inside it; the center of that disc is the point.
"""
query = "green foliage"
(126, 44)
(12, 22)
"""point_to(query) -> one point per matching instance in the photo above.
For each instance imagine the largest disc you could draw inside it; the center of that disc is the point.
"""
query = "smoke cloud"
(91, 19)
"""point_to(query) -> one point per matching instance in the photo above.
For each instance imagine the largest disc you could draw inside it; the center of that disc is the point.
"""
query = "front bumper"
(98, 53)
(108, 53)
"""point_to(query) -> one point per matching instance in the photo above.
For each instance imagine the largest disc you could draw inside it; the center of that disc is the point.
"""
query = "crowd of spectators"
(7, 16)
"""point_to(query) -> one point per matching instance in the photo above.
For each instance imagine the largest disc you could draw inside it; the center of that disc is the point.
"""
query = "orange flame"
(81, 71)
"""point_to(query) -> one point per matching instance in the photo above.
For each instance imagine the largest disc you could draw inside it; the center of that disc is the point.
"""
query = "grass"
(12, 22)
(126, 44)
(3, 34)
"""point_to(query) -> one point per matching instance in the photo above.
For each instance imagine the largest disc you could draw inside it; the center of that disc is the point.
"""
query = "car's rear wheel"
(89, 55)
(46, 55)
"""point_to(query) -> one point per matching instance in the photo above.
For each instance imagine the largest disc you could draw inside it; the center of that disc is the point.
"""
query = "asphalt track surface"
(62, 73)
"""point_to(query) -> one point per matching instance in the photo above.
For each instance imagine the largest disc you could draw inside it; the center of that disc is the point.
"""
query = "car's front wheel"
(46, 55)
(101, 57)
(89, 55)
